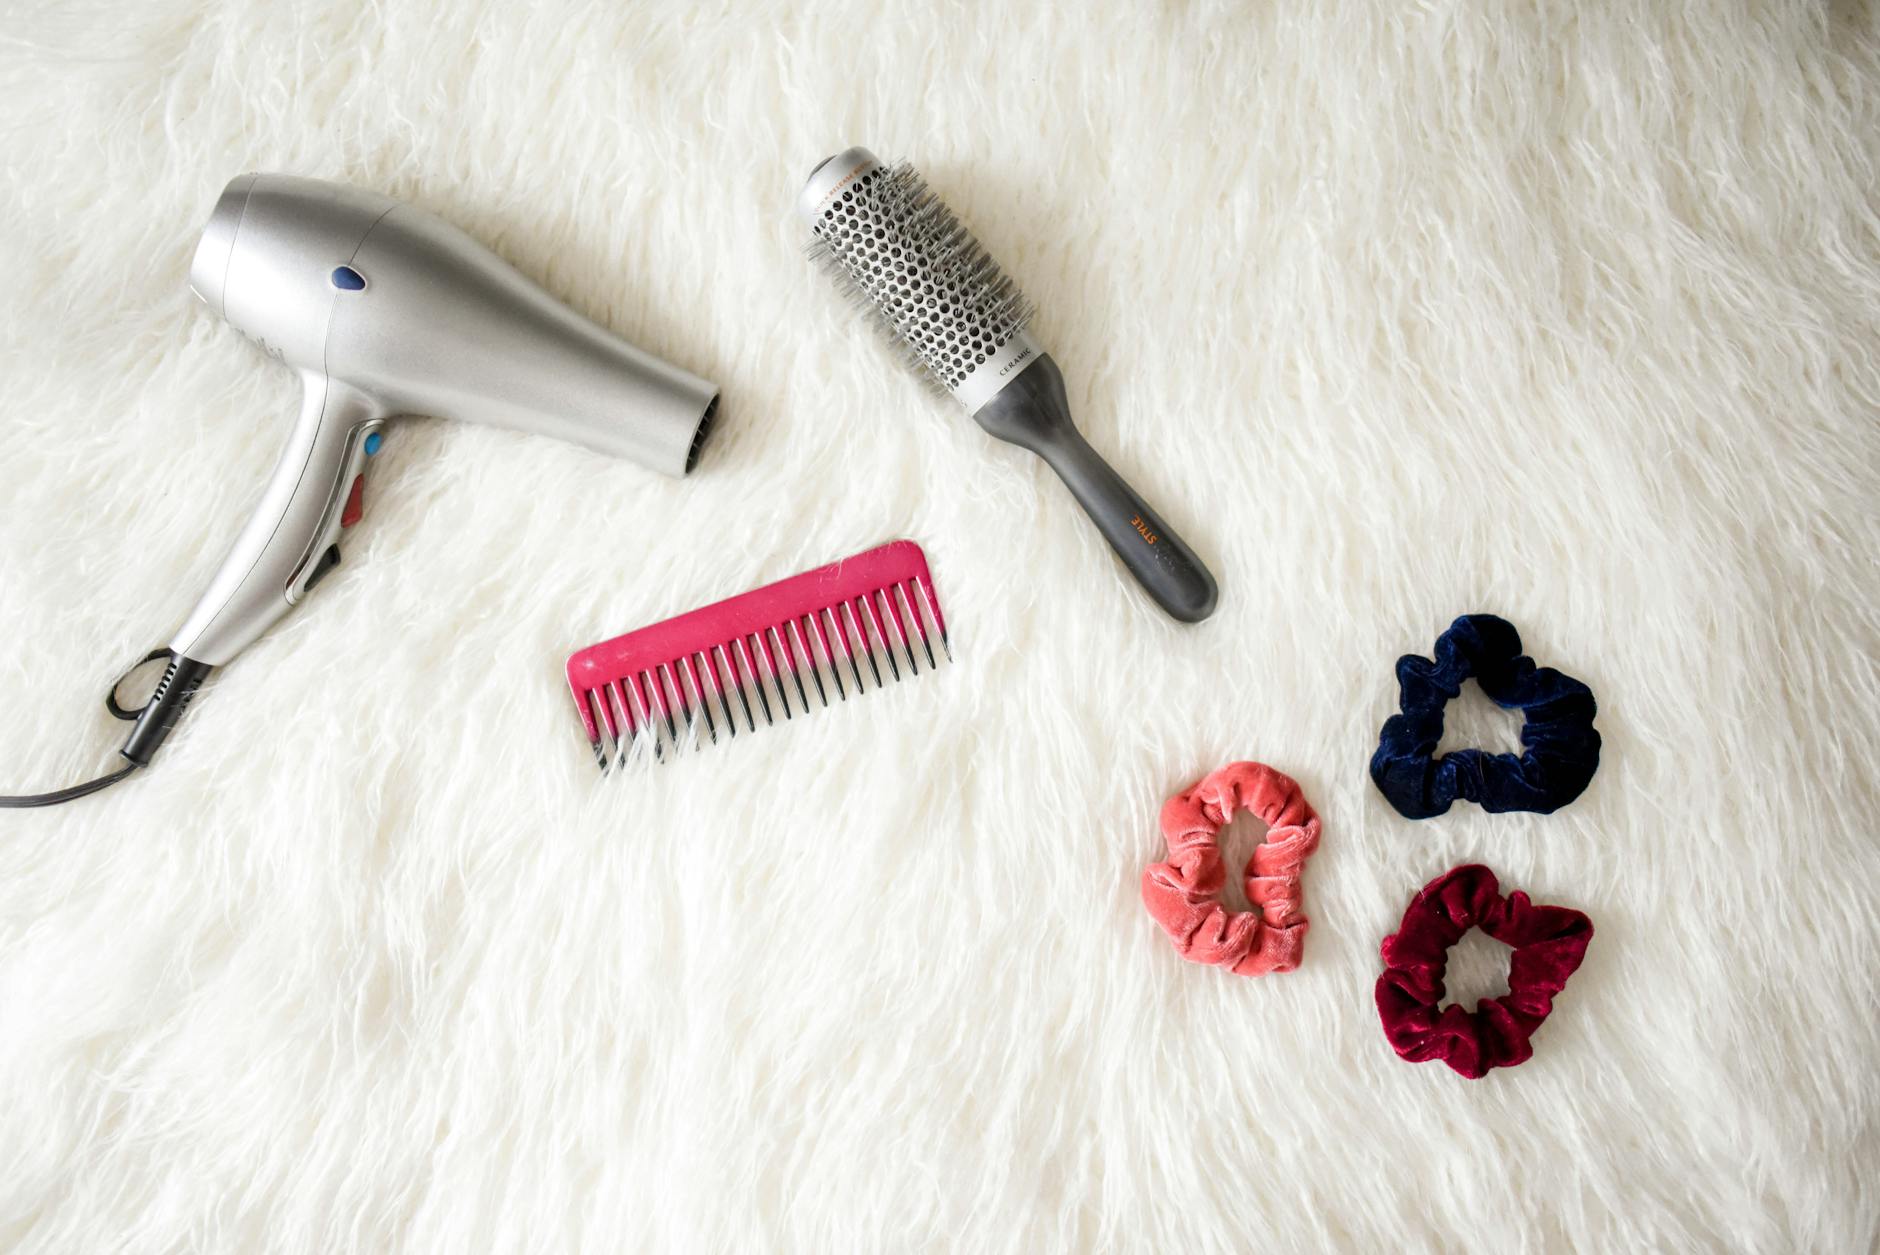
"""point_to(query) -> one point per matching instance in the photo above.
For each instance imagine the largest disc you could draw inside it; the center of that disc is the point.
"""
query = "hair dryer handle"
(290, 542)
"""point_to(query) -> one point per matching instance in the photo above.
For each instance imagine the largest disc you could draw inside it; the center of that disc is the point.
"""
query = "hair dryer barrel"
(407, 310)
(465, 336)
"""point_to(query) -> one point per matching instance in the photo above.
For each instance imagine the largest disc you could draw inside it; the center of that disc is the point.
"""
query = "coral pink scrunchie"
(1183, 894)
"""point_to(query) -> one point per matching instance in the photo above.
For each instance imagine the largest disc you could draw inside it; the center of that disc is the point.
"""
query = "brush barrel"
(837, 196)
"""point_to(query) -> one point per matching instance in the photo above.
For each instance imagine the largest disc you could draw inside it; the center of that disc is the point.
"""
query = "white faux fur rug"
(1399, 311)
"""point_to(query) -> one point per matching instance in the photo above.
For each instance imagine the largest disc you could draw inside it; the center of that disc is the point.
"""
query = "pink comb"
(863, 610)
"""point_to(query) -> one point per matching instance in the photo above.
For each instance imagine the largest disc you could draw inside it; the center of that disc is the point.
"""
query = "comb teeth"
(897, 251)
(760, 658)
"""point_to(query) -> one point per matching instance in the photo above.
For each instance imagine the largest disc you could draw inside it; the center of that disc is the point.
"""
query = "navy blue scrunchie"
(1560, 746)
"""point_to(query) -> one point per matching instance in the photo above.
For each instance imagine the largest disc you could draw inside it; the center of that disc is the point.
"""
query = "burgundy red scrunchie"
(1549, 943)
(1183, 894)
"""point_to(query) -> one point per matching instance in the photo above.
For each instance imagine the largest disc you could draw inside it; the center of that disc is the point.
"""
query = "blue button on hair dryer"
(382, 310)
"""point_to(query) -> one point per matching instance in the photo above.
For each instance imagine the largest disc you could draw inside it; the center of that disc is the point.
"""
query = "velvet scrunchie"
(1549, 943)
(1560, 746)
(1183, 894)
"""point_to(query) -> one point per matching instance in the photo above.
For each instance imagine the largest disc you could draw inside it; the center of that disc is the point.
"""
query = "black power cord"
(67, 795)
(154, 719)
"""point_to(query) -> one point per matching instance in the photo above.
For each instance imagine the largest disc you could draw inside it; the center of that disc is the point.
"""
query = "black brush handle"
(1033, 413)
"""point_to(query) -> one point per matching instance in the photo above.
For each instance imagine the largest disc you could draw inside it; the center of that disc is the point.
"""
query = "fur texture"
(1564, 312)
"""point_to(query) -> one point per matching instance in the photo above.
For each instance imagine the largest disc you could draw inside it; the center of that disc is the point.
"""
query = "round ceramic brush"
(902, 254)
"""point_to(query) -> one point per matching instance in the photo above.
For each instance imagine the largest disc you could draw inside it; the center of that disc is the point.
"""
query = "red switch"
(355, 503)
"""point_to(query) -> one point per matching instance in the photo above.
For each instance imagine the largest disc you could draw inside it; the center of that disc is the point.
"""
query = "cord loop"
(110, 698)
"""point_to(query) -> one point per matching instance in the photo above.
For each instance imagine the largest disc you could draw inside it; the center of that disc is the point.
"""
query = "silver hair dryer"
(383, 309)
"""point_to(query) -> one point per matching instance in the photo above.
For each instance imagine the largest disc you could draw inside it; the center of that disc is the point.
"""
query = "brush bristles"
(897, 251)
